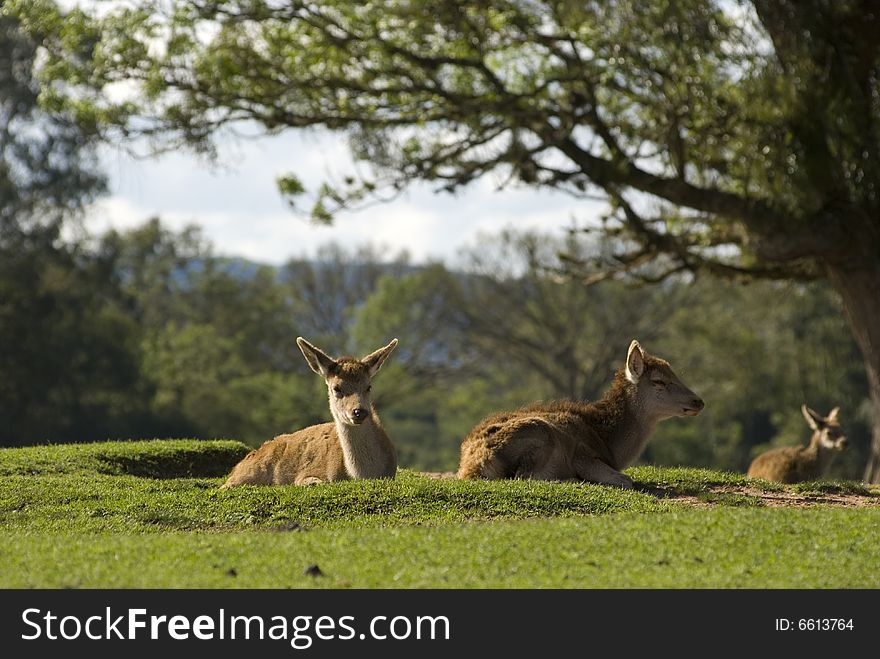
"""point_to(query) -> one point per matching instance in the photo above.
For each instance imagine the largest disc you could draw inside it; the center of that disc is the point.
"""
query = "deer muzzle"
(694, 407)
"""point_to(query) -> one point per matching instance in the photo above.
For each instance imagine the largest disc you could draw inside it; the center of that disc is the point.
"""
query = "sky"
(241, 212)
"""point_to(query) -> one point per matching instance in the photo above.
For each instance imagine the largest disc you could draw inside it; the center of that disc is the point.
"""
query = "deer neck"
(819, 455)
(624, 424)
(629, 436)
(366, 451)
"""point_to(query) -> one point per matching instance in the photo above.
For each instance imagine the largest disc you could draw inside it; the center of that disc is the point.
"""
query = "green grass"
(689, 548)
(731, 499)
(688, 480)
(819, 488)
(97, 502)
(159, 458)
(150, 514)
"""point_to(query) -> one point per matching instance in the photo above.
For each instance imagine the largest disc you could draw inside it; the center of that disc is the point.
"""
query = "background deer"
(794, 464)
(354, 445)
(574, 440)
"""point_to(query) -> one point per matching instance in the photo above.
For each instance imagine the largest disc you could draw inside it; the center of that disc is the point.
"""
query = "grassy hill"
(150, 514)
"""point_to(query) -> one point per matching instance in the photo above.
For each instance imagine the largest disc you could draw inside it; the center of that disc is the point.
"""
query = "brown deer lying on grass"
(354, 445)
(575, 440)
(795, 464)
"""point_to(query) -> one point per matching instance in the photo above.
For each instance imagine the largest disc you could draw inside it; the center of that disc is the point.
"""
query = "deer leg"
(544, 461)
(310, 480)
(596, 471)
(525, 467)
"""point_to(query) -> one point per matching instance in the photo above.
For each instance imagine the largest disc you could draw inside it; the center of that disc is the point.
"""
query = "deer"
(795, 464)
(353, 446)
(571, 440)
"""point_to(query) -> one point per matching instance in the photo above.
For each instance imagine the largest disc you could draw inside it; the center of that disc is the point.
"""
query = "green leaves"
(290, 186)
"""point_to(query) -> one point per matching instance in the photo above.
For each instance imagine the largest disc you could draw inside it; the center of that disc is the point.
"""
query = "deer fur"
(353, 446)
(795, 464)
(578, 440)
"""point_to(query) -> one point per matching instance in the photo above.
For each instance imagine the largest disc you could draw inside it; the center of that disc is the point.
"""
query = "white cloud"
(241, 212)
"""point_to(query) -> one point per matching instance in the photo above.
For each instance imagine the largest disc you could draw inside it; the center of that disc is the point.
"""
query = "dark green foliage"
(68, 359)
(66, 364)
(755, 353)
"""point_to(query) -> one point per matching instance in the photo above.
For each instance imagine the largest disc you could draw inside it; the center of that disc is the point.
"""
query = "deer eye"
(337, 390)
(659, 383)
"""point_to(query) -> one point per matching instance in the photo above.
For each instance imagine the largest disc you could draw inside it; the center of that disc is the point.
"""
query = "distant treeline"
(147, 333)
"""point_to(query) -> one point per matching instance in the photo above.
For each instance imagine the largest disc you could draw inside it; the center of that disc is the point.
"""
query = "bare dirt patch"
(744, 495)
(785, 498)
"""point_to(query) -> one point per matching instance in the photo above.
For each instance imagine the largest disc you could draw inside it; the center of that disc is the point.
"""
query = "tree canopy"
(747, 124)
(48, 166)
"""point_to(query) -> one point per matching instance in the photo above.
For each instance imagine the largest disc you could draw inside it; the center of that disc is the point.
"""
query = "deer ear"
(814, 419)
(832, 415)
(635, 362)
(374, 360)
(318, 361)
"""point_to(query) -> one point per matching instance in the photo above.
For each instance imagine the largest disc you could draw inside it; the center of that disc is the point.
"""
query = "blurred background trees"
(63, 328)
(179, 342)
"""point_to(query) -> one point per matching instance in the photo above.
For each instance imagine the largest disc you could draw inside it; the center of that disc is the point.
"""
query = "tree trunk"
(860, 290)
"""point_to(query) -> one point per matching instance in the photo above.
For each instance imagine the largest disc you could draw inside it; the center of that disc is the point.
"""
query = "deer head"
(658, 390)
(348, 380)
(827, 432)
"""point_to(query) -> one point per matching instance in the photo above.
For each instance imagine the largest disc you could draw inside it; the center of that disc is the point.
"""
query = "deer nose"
(698, 404)
(359, 414)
